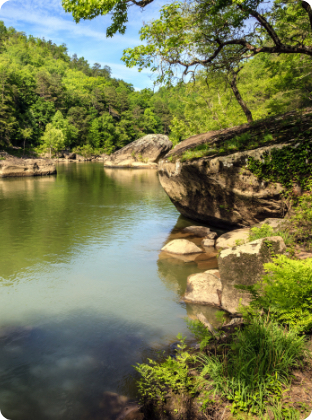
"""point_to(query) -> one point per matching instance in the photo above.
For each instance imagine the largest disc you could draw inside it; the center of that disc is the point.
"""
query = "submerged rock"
(182, 246)
(144, 152)
(200, 231)
(26, 167)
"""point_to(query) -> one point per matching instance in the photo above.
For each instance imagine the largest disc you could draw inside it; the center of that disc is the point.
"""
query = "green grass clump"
(252, 371)
(263, 231)
(157, 378)
(198, 152)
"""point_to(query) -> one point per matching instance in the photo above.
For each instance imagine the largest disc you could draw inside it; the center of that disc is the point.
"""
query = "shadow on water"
(68, 371)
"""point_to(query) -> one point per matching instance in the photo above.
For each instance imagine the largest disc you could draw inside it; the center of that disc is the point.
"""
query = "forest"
(49, 97)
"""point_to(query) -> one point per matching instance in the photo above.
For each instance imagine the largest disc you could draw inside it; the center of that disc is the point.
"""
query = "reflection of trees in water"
(65, 371)
(48, 218)
(174, 273)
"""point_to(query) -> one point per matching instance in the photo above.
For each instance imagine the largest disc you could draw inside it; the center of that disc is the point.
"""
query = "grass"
(237, 143)
(256, 366)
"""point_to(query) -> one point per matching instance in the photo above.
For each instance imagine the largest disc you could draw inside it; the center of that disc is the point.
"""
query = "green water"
(83, 296)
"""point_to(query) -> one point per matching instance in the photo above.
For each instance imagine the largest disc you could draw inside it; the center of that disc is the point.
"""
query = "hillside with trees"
(48, 97)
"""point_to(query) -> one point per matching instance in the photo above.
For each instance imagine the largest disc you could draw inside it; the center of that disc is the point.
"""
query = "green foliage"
(53, 139)
(286, 165)
(252, 370)
(299, 225)
(41, 84)
(263, 231)
(286, 292)
(200, 332)
(172, 374)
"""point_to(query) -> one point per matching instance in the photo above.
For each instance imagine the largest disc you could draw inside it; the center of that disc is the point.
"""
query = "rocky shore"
(239, 261)
(11, 166)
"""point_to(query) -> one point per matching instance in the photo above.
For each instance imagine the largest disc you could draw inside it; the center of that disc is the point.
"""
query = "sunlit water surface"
(83, 295)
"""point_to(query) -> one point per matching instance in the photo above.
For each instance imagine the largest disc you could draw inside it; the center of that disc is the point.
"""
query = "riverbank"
(259, 364)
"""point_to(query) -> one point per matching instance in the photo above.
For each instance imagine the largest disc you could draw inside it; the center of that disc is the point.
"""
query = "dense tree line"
(49, 97)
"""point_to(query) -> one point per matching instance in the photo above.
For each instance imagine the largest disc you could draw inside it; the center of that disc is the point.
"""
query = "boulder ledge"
(26, 167)
(141, 153)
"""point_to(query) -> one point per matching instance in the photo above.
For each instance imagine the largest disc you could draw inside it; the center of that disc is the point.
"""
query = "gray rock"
(182, 246)
(243, 265)
(26, 167)
(233, 238)
(144, 152)
(221, 191)
(200, 231)
(203, 288)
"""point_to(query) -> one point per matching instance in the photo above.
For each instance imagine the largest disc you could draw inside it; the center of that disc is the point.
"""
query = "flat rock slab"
(243, 265)
(182, 246)
(203, 288)
(200, 231)
(26, 167)
(234, 238)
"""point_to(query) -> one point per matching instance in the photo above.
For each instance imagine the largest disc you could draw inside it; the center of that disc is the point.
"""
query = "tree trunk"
(240, 100)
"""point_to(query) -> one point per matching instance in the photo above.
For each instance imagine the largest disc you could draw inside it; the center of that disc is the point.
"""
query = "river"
(83, 293)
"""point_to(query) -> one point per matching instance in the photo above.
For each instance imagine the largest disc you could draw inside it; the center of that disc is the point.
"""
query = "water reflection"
(86, 294)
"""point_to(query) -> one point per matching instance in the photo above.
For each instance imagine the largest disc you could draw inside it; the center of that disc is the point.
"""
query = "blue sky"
(47, 18)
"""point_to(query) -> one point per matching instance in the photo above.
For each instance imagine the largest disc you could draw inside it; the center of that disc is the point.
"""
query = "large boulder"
(144, 152)
(221, 191)
(26, 167)
(204, 288)
(181, 246)
(243, 265)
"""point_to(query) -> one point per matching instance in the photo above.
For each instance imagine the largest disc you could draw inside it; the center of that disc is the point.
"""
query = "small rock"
(182, 246)
(304, 255)
(197, 230)
(208, 243)
(202, 288)
(234, 238)
(212, 235)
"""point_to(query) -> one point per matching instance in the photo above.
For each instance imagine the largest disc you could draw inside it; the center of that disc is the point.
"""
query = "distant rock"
(69, 155)
(26, 167)
(243, 265)
(204, 288)
(182, 246)
(144, 152)
(200, 231)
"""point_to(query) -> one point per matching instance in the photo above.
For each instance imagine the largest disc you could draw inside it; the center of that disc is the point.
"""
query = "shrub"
(300, 223)
(263, 231)
(252, 370)
(286, 291)
(157, 378)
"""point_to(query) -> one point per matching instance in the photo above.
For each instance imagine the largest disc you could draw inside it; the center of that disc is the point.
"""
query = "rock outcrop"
(243, 265)
(208, 179)
(144, 152)
(221, 191)
(26, 167)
